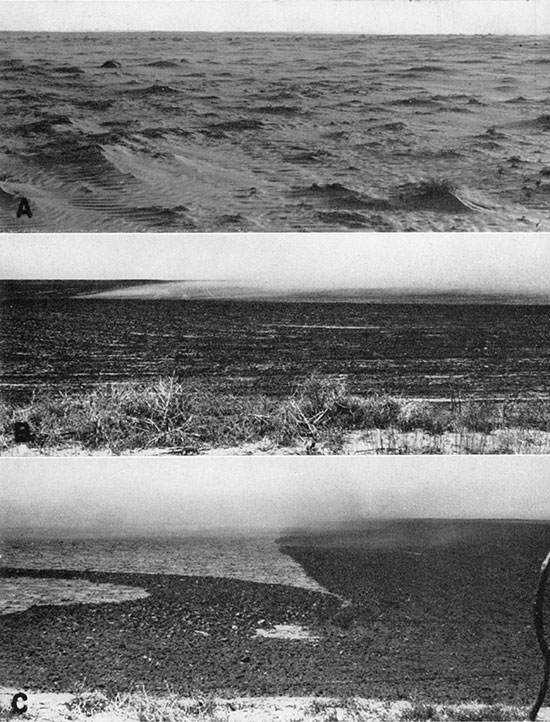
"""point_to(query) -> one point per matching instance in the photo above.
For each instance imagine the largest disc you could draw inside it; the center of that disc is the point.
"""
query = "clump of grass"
(89, 703)
(488, 713)
(320, 706)
(531, 414)
(206, 705)
(322, 403)
(420, 711)
(424, 415)
(479, 416)
(350, 709)
(436, 186)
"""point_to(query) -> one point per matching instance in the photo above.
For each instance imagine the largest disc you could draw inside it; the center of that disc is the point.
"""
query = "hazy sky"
(479, 262)
(124, 495)
(524, 17)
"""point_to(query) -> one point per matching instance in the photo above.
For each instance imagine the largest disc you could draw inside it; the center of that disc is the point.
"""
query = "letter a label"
(24, 208)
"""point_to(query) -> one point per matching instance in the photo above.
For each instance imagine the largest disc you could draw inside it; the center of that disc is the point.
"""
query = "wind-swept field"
(421, 612)
(189, 376)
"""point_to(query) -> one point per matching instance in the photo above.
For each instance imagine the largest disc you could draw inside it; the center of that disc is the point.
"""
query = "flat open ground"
(435, 611)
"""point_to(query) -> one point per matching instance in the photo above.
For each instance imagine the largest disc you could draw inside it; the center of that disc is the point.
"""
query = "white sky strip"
(516, 17)
(123, 496)
(493, 262)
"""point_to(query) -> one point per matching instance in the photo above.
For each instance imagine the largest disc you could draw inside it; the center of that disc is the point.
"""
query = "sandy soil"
(369, 442)
(215, 132)
(54, 707)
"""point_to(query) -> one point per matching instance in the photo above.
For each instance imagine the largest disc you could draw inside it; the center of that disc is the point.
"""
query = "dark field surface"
(195, 634)
(267, 132)
(428, 350)
(441, 610)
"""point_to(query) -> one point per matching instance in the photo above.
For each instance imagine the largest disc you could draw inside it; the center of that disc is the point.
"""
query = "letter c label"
(15, 708)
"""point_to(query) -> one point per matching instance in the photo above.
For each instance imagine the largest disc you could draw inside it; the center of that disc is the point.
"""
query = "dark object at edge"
(539, 628)
(21, 432)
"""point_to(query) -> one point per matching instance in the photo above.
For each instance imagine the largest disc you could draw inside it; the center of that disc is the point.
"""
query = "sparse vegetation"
(119, 416)
(321, 416)
(421, 711)
(173, 708)
(142, 706)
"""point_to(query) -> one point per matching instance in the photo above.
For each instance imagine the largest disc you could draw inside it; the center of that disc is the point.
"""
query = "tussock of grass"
(187, 417)
(322, 403)
(421, 711)
(89, 703)
(436, 186)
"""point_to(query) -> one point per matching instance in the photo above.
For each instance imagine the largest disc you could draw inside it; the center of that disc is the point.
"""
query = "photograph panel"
(246, 589)
(275, 344)
(275, 116)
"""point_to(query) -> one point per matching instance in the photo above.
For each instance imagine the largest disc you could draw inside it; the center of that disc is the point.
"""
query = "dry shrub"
(423, 415)
(481, 416)
(527, 414)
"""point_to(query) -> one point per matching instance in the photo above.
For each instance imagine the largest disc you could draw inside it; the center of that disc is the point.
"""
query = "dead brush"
(313, 406)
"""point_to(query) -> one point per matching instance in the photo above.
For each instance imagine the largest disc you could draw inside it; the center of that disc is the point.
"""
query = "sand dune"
(253, 132)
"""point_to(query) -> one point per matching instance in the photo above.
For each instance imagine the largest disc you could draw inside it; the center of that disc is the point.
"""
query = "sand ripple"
(244, 130)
